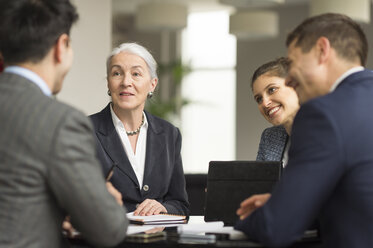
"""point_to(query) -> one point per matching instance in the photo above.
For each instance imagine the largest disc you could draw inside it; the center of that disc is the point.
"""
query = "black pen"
(110, 172)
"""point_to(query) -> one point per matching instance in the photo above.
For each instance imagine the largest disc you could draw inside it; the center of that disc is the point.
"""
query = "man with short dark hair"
(330, 169)
(48, 165)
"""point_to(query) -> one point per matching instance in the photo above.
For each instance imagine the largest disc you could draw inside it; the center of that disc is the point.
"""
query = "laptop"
(231, 182)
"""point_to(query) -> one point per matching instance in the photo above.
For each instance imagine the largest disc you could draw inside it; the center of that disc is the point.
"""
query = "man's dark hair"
(344, 35)
(276, 68)
(29, 28)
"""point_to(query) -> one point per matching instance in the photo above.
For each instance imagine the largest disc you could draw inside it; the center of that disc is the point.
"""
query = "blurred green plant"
(170, 108)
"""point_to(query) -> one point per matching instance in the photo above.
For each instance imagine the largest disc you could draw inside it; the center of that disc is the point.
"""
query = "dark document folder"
(231, 182)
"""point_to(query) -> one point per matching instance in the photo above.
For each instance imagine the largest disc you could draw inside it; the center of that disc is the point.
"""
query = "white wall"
(85, 85)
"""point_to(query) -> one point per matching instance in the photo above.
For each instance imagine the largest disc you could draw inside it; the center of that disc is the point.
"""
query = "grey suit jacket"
(48, 169)
(164, 178)
(272, 144)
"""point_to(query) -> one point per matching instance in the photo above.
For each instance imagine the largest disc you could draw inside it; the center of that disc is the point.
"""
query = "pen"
(110, 172)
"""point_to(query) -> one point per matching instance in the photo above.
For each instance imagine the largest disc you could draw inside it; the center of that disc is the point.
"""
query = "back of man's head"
(29, 28)
(344, 35)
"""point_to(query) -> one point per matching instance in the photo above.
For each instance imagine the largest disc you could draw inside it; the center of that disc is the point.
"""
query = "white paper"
(156, 218)
(132, 229)
(200, 227)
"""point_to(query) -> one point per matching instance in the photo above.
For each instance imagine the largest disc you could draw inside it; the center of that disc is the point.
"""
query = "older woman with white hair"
(143, 149)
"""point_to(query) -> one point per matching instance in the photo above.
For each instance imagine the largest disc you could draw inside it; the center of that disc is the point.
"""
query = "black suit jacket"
(164, 178)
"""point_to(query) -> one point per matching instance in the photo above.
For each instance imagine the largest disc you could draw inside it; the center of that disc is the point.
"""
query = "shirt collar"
(344, 75)
(118, 123)
(30, 75)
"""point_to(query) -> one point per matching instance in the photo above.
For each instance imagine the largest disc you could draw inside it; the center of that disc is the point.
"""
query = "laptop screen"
(231, 182)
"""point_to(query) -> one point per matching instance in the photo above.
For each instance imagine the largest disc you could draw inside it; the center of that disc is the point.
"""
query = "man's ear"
(61, 46)
(323, 49)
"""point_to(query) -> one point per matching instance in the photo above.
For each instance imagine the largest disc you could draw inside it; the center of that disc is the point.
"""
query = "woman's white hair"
(138, 50)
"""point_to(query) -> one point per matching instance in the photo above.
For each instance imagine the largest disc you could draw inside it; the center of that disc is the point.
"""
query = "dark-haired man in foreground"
(48, 167)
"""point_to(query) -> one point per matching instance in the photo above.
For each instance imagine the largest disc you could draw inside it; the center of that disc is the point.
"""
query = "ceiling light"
(157, 16)
(358, 10)
(254, 24)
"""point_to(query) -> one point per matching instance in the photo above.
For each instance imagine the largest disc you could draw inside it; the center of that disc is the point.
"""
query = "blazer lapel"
(155, 144)
(113, 146)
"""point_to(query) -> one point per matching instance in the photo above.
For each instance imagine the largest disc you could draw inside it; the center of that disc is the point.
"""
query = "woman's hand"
(250, 204)
(150, 207)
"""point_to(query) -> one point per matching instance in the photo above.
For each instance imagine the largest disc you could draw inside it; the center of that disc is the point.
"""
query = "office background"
(233, 130)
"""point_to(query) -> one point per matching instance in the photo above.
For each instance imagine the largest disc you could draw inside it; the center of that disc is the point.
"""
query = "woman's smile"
(271, 112)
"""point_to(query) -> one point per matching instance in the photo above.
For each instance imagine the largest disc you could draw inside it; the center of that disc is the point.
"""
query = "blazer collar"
(344, 76)
(155, 144)
(106, 126)
(112, 144)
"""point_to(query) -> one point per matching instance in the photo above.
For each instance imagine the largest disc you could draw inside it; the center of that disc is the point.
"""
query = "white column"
(85, 85)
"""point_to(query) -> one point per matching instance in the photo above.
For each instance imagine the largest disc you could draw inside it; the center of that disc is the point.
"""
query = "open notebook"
(158, 219)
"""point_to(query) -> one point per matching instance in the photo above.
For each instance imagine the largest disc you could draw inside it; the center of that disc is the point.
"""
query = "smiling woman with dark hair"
(278, 104)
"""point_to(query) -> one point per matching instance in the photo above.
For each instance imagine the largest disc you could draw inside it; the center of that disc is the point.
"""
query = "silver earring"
(108, 92)
(150, 94)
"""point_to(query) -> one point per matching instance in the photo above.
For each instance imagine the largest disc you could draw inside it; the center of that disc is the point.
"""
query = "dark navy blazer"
(329, 173)
(164, 178)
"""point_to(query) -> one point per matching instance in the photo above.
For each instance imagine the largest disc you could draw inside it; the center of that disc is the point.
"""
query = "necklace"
(131, 133)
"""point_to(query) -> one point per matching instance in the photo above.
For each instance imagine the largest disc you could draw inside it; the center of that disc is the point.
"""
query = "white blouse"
(136, 158)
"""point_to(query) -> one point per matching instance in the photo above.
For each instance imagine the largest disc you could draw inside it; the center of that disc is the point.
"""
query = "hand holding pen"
(110, 172)
(67, 227)
(113, 191)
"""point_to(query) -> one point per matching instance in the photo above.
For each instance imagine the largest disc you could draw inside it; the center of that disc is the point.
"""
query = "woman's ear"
(153, 84)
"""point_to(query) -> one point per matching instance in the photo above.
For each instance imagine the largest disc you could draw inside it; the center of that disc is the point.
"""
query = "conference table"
(172, 238)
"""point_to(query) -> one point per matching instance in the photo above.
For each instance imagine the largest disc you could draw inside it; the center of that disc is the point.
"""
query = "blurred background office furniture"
(195, 186)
